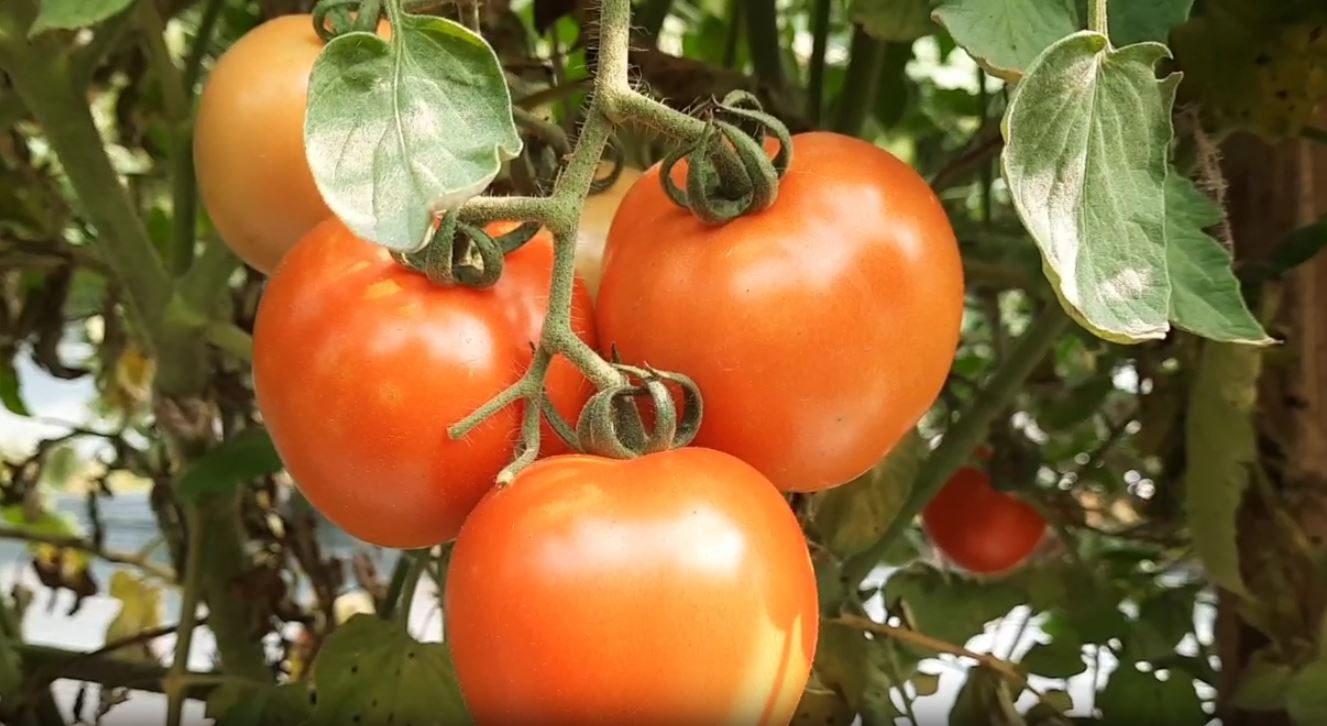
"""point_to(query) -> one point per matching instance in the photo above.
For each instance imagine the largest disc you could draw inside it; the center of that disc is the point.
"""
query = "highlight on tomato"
(676, 586)
(252, 173)
(361, 365)
(980, 528)
(819, 330)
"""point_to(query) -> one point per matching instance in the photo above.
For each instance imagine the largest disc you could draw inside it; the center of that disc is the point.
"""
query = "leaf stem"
(1097, 17)
(815, 94)
(138, 561)
(188, 617)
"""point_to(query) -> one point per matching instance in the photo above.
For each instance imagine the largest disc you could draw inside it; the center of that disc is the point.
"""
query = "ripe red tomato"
(979, 528)
(671, 589)
(249, 142)
(819, 330)
(361, 365)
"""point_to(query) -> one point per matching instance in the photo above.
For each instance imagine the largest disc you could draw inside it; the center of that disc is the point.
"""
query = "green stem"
(231, 339)
(1098, 17)
(193, 65)
(230, 617)
(815, 96)
(173, 97)
(392, 597)
(106, 669)
(734, 36)
(188, 617)
(863, 80)
(762, 37)
(970, 430)
(416, 561)
(651, 17)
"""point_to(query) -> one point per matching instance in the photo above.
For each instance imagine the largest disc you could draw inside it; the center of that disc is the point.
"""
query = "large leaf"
(1205, 297)
(1221, 446)
(1088, 133)
(852, 517)
(947, 606)
(241, 458)
(260, 705)
(398, 131)
(893, 19)
(1060, 658)
(74, 14)
(370, 671)
(1139, 21)
(1133, 697)
(1006, 35)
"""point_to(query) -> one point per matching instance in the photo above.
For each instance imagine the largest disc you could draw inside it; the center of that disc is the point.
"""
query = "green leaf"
(1060, 658)
(1221, 446)
(239, 459)
(1088, 134)
(1306, 696)
(1004, 36)
(1133, 697)
(398, 131)
(984, 700)
(260, 705)
(10, 395)
(857, 669)
(893, 19)
(823, 706)
(74, 14)
(1263, 684)
(852, 517)
(1205, 297)
(947, 606)
(370, 671)
(1140, 21)
(1163, 621)
(1299, 247)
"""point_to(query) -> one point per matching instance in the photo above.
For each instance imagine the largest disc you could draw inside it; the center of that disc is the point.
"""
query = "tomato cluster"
(675, 585)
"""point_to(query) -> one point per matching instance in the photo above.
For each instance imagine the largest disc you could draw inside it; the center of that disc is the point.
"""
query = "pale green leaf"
(1088, 134)
(854, 516)
(1220, 443)
(1134, 697)
(893, 19)
(74, 14)
(398, 131)
(1205, 297)
(1306, 696)
(1006, 35)
(370, 671)
(239, 459)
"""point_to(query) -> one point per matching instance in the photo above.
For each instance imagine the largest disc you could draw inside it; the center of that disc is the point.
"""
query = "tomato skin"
(361, 365)
(596, 219)
(979, 528)
(819, 330)
(252, 173)
(671, 589)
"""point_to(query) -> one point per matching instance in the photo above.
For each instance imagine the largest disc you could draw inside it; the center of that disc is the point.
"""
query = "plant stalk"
(1098, 20)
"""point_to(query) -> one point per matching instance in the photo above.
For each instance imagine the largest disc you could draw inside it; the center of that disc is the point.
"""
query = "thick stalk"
(970, 430)
(1098, 17)
(815, 95)
(863, 80)
(762, 37)
(229, 616)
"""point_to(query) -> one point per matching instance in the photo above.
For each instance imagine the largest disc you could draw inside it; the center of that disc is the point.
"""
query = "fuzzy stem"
(1098, 17)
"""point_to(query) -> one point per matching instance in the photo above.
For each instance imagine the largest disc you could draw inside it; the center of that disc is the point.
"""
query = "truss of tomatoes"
(673, 586)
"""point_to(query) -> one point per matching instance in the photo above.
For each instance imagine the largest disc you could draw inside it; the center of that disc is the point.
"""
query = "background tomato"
(674, 588)
(980, 528)
(249, 142)
(596, 219)
(819, 330)
(361, 365)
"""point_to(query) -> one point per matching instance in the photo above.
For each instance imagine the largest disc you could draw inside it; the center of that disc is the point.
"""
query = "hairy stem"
(1097, 17)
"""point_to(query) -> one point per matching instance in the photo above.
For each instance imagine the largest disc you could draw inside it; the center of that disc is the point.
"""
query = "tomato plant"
(249, 142)
(360, 365)
(675, 587)
(820, 330)
(980, 528)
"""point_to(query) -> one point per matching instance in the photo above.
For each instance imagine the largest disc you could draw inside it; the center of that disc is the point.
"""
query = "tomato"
(674, 588)
(596, 218)
(249, 142)
(819, 330)
(361, 365)
(979, 528)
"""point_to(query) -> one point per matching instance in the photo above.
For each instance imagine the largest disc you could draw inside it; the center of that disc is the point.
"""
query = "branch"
(82, 545)
(109, 671)
(964, 436)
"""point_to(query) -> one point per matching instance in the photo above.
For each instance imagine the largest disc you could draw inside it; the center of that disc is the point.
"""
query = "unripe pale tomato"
(249, 142)
(819, 330)
(980, 528)
(674, 588)
(596, 219)
(360, 366)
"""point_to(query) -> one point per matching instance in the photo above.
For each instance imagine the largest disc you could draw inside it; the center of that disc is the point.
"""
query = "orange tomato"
(360, 366)
(819, 330)
(674, 588)
(979, 528)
